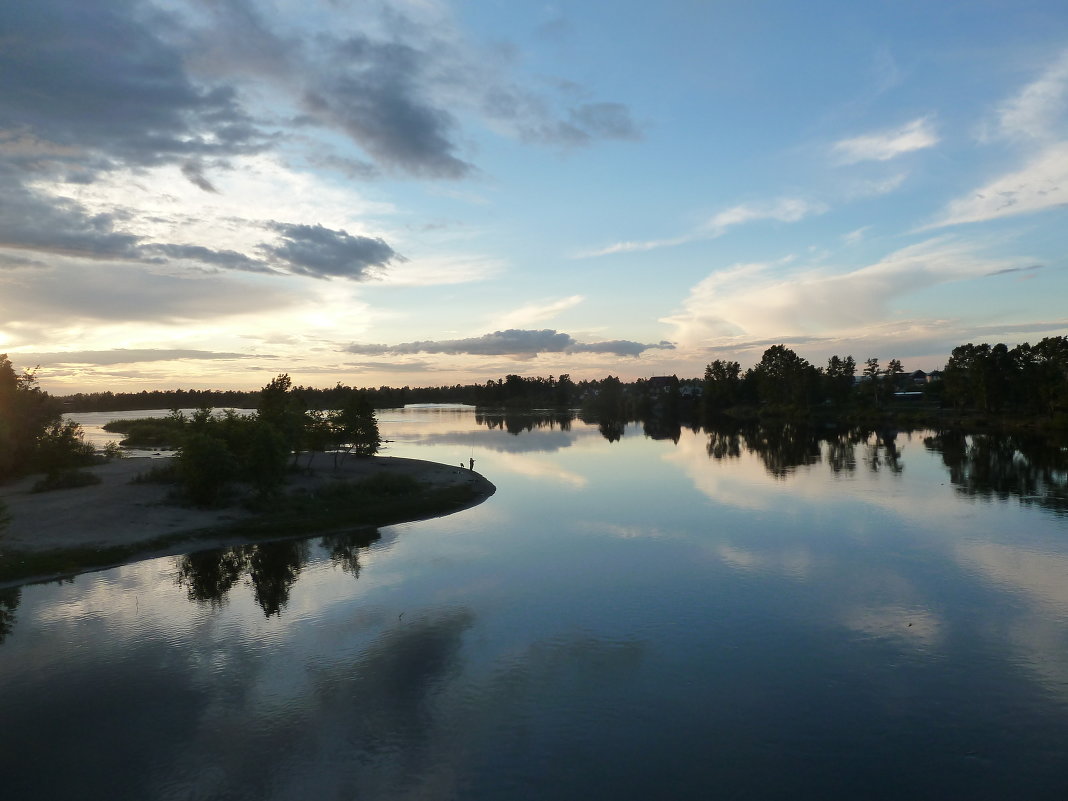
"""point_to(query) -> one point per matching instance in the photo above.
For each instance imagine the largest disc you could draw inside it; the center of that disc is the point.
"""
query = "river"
(638, 612)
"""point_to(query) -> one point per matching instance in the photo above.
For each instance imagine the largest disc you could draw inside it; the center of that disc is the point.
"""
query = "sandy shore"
(118, 513)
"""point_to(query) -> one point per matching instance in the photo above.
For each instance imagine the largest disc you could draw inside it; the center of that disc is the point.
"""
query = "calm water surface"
(771, 615)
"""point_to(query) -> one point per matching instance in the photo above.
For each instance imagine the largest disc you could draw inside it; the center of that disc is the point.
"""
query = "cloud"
(323, 253)
(885, 145)
(105, 78)
(783, 209)
(746, 304)
(1036, 110)
(513, 342)
(75, 291)
(536, 313)
(125, 356)
(1039, 185)
(195, 173)
(228, 259)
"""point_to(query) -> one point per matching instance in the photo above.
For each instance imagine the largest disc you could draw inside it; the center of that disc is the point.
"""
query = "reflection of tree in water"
(612, 430)
(883, 452)
(724, 444)
(271, 568)
(516, 423)
(1032, 469)
(9, 602)
(662, 427)
(345, 548)
(783, 448)
(274, 568)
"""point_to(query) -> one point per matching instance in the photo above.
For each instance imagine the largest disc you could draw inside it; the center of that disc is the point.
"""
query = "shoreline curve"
(60, 531)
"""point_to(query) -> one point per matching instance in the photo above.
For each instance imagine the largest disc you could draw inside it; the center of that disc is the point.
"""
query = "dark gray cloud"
(1029, 269)
(124, 356)
(513, 342)
(100, 77)
(195, 173)
(227, 259)
(372, 91)
(323, 252)
(57, 225)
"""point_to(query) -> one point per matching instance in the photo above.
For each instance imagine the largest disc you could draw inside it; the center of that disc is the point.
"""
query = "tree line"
(986, 378)
(1026, 379)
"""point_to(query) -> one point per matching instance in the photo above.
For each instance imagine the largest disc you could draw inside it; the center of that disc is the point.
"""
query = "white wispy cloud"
(526, 316)
(748, 303)
(783, 209)
(1040, 184)
(1035, 111)
(888, 144)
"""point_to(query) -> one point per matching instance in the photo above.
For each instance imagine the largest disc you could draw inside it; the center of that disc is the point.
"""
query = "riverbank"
(52, 534)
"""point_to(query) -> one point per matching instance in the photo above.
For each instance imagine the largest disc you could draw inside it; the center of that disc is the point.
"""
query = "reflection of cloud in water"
(1041, 642)
(1041, 576)
(909, 626)
(624, 532)
(536, 441)
(795, 563)
(539, 469)
(366, 727)
(737, 483)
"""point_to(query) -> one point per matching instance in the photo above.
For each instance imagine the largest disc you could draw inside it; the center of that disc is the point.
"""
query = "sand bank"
(118, 513)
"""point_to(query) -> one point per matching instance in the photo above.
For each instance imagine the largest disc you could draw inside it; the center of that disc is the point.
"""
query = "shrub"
(66, 479)
(206, 468)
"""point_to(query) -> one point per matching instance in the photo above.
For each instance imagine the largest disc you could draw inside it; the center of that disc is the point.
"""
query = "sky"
(207, 193)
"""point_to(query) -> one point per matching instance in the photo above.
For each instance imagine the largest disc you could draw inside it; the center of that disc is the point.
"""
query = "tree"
(894, 371)
(871, 370)
(783, 377)
(838, 378)
(354, 429)
(32, 434)
(722, 385)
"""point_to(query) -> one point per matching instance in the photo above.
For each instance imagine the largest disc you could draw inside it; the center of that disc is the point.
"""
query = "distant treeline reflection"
(1030, 467)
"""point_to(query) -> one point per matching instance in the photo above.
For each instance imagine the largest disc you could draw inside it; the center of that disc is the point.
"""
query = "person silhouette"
(472, 465)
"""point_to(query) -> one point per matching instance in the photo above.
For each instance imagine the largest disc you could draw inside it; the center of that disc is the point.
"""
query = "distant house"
(918, 377)
(661, 384)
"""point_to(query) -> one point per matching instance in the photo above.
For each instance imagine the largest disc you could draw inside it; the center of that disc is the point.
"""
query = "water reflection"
(9, 602)
(785, 447)
(271, 568)
(988, 466)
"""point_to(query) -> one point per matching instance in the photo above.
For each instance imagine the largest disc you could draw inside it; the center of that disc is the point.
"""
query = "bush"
(66, 479)
(206, 468)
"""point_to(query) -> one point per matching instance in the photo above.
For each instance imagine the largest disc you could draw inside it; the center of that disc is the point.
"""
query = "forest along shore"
(118, 521)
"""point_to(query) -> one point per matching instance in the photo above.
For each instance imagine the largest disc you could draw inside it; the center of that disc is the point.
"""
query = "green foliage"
(783, 378)
(26, 412)
(163, 473)
(264, 458)
(722, 386)
(206, 468)
(66, 479)
(60, 446)
(113, 450)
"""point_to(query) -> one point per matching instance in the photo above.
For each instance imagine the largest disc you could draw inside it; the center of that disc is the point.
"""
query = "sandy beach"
(117, 512)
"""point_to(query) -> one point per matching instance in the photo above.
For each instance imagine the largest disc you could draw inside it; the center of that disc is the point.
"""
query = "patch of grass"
(66, 479)
(166, 473)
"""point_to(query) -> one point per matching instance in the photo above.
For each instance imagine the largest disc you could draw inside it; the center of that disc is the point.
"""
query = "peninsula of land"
(120, 520)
